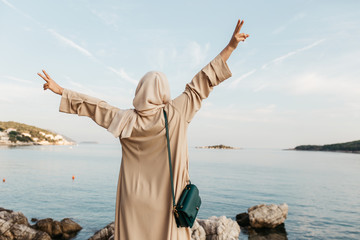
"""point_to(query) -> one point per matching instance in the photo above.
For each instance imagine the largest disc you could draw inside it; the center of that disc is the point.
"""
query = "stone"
(65, 229)
(197, 232)
(44, 225)
(267, 216)
(220, 228)
(12, 231)
(105, 233)
(14, 225)
(56, 229)
(243, 219)
(69, 226)
(15, 217)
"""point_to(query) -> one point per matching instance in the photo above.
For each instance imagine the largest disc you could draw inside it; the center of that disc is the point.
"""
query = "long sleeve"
(83, 105)
(189, 102)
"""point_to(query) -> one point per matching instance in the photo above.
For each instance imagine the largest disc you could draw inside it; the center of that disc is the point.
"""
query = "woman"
(144, 200)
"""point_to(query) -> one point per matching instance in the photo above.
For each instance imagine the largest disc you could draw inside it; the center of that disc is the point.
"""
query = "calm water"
(321, 189)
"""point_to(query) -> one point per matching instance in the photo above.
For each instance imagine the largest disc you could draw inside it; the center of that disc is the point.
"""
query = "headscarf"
(152, 93)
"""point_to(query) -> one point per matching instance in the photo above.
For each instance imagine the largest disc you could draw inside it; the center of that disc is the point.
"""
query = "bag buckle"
(175, 211)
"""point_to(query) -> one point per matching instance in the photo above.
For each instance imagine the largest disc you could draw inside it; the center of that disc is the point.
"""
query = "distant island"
(217, 147)
(14, 134)
(353, 147)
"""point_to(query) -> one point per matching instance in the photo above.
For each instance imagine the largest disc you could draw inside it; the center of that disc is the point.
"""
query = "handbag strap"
(169, 154)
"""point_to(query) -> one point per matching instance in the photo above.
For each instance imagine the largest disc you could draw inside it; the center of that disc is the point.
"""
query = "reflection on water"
(321, 189)
(278, 233)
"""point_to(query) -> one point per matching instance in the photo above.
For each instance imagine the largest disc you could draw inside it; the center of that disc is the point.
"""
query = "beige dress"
(144, 201)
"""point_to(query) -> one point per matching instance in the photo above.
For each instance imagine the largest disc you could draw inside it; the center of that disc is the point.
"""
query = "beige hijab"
(152, 93)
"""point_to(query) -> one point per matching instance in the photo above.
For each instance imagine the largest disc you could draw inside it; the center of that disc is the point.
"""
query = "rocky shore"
(14, 225)
(259, 222)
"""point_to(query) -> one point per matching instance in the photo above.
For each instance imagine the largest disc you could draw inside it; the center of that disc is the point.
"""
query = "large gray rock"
(14, 225)
(197, 232)
(104, 234)
(267, 216)
(220, 228)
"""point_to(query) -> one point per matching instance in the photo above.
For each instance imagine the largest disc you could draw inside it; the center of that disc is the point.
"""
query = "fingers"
(47, 75)
(47, 80)
(46, 86)
(241, 24)
(237, 27)
(241, 37)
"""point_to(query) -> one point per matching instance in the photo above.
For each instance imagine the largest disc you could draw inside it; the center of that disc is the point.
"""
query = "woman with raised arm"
(144, 199)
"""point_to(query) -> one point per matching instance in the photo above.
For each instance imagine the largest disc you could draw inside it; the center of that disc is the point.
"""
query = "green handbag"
(188, 206)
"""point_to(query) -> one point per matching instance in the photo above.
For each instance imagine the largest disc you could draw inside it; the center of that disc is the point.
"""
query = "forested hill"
(14, 133)
(353, 146)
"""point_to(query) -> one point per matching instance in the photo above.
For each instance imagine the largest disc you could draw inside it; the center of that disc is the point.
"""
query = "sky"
(294, 81)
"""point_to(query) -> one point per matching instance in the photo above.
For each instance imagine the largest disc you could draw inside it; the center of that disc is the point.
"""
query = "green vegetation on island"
(220, 146)
(353, 146)
(14, 133)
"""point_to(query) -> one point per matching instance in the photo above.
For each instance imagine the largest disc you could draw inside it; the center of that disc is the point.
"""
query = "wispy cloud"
(286, 25)
(282, 58)
(262, 114)
(16, 79)
(9, 4)
(315, 83)
(70, 43)
(107, 18)
(242, 77)
(198, 53)
(121, 73)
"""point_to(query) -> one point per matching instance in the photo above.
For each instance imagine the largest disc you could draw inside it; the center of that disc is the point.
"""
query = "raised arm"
(83, 105)
(189, 102)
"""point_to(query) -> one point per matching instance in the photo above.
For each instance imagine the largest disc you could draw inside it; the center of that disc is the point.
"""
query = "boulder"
(15, 217)
(197, 232)
(220, 228)
(104, 234)
(65, 229)
(14, 225)
(69, 226)
(267, 216)
(243, 219)
(44, 225)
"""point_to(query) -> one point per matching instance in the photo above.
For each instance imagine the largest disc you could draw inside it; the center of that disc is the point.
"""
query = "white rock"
(220, 228)
(197, 232)
(267, 216)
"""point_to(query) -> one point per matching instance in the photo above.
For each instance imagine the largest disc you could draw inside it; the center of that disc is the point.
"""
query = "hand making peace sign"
(51, 84)
(237, 36)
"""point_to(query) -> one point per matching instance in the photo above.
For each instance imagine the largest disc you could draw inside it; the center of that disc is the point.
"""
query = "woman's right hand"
(234, 41)
(237, 36)
(51, 84)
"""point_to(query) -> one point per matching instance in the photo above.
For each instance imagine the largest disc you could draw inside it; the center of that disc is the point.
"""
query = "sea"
(322, 189)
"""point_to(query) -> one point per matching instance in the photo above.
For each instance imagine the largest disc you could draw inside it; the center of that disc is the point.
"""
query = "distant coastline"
(88, 142)
(347, 147)
(220, 146)
(20, 134)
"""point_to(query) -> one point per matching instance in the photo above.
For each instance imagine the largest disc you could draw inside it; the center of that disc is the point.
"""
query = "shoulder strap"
(169, 154)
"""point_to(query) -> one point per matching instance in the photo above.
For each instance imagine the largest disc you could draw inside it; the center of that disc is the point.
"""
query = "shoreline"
(335, 151)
